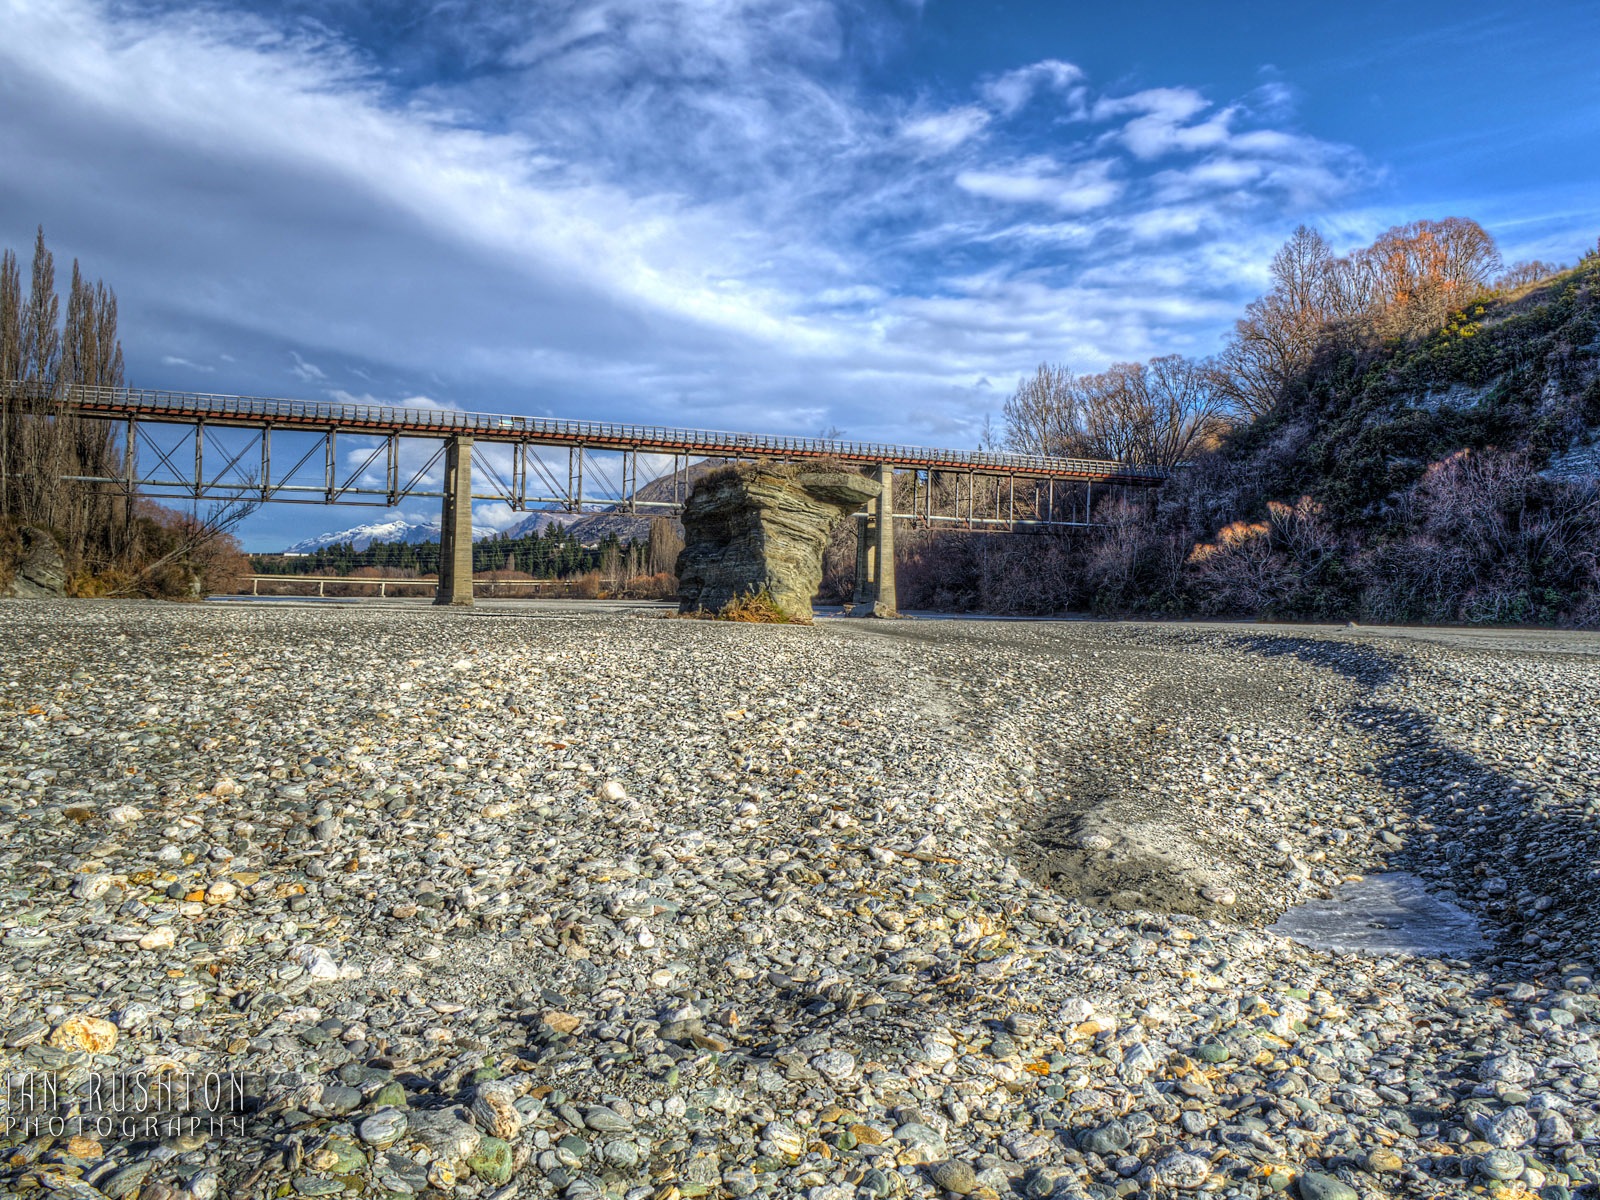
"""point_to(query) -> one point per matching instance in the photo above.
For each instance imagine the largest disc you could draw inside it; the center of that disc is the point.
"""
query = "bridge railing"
(711, 443)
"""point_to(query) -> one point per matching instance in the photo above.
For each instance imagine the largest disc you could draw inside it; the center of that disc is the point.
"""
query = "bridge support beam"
(455, 526)
(878, 552)
(863, 595)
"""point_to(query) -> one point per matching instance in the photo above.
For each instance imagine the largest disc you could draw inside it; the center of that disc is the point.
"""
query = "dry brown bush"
(758, 608)
(1491, 541)
(660, 586)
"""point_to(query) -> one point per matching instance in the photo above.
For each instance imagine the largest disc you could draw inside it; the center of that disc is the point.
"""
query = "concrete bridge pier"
(455, 525)
(875, 591)
(864, 532)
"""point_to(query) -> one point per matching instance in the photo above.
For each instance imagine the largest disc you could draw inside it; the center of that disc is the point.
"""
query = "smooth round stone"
(492, 1161)
(1512, 1129)
(339, 1099)
(837, 1065)
(390, 1095)
(620, 1154)
(1501, 1164)
(382, 1127)
(128, 1180)
(605, 1120)
(1106, 1139)
(953, 1176)
(921, 1144)
(1044, 1182)
(740, 1181)
(877, 1183)
(494, 1109)
(785, 1138)
(1212, 1052)
(1314, 1185)
(1385, 1162)
(338, 1157)
(1180, 1170)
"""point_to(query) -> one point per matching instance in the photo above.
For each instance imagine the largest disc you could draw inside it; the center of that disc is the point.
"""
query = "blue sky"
(751, 214)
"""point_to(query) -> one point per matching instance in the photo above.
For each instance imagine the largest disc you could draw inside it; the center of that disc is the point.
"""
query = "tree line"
(112, 543)
(47, 348)
(555, 553)
(1164, 411)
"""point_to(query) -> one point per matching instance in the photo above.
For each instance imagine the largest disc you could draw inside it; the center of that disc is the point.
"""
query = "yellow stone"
(561, 1022)
(1095, 1026)
(221, 891)
(81, 1032)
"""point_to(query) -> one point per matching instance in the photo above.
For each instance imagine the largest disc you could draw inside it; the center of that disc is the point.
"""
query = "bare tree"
(666, 543)
(196, 536)
(1155, 414)
(41, 336)
(42, 445)
(1521, 274)
(1426, 269)
(1042, 415)
(1404, 284)
(1275, 338)
(10, 367)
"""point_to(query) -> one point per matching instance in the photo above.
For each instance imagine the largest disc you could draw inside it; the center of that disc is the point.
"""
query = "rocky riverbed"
(539, 901)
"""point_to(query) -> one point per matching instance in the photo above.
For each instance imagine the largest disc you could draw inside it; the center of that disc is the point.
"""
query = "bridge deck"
(260, 412)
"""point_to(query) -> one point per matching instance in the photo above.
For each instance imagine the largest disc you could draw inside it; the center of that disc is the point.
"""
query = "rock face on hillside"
(753, 528)
(41, 572)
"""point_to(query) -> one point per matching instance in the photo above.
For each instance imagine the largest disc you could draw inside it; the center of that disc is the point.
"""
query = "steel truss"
(225, 451)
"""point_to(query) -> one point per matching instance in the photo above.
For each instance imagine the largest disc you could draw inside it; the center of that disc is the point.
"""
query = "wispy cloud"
(691, 210)
(947, 130)
(173, 360)
(1041, 180)
(1011, 90)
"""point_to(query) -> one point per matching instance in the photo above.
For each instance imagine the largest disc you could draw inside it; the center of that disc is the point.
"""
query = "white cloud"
(172, 360)
(946, 130)
(306, 372)
(1075, 189)
(1162, 124)
(660, 210)
(1011, 91)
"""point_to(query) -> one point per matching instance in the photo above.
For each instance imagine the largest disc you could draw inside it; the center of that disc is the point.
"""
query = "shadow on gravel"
(1510, 848)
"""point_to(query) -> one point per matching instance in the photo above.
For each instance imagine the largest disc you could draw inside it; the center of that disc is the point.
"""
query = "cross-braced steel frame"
(226, 450)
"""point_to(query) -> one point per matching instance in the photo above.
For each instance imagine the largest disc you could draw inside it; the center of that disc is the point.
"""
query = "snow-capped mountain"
(402, 530)
(540, 521)
(362, 536)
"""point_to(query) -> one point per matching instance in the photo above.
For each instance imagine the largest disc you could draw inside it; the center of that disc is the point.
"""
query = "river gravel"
(532, 900)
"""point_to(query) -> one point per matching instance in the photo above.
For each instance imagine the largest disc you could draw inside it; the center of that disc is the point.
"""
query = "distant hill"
(538, 522)
(617, 521)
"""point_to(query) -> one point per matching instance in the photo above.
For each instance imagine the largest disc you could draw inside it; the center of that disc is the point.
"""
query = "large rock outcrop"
(41, 570)
(754, 528)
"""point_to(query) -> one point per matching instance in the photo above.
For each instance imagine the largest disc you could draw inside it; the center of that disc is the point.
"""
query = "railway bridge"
(221, 447)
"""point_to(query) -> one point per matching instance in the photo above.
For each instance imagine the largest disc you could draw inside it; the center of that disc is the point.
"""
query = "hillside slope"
(1363, 425)
(1452, 477)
